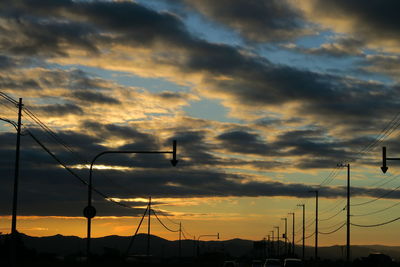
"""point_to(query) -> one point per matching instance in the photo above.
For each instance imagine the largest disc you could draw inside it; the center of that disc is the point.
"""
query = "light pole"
(285, 236)
(304, 228)
(293, 217)
(198, 241)
(272, 243)
(15, 191)
(316, 223)
(278, 252)
(348, 211)
(89, 211)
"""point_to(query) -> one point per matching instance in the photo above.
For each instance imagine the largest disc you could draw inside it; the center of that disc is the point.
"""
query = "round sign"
(89, 212)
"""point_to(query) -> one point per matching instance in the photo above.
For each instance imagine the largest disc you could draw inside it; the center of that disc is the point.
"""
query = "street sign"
(89, 212)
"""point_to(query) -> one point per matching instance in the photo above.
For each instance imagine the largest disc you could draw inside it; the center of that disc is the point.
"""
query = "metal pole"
(180, 240)
(285, 219)
(273, 242)
(348, 214)
(15, 196)
(89, 211)
(148, 230)
(304, 228)
(194, 246)
(293, 214)
(316, 224)
(277, 242)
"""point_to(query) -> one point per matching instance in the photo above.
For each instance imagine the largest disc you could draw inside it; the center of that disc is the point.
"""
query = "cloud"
(257, 21)
(59, 110)
(94, 97)
(244, 142)
(28, 35)
(369, 21)
(338, 48)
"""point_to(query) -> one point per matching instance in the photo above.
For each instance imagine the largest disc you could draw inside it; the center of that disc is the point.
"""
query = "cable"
(309, 225)
(332, 226)
(375, 225)
(184, 236)
(375, 212)
(332, 207)
(107, 198)
(184, 230)
(327, 219)
(307, 237)
(334, 231)
(137, 230)
(375, 199)
(163, 223)
(10, 99)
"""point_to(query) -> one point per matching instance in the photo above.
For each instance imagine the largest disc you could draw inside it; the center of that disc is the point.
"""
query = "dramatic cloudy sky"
(264, 98)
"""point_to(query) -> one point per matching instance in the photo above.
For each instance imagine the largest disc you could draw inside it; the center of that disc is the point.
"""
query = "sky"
(264, 98)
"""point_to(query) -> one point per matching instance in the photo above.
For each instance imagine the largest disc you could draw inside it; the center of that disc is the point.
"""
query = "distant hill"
(67, 245)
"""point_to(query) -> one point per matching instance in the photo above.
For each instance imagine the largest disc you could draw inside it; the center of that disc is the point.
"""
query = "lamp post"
(316, 224)
(198, 241)
(304, 228)
(89, 211)
(272, 243)
(285, 235)
(277, 243)
(348, 211)
(293, 217)
(17, 126)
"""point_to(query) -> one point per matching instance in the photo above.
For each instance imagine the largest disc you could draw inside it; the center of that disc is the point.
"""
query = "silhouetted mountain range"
(68, 245)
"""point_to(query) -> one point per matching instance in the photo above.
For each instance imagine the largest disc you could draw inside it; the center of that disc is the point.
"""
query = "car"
(272, 263)
(293, 263)
(256, 263)
(230, 264)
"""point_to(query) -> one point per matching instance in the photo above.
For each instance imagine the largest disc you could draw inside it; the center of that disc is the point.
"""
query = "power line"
(378, 211)
(375, 199)
(166, 227)
(334, 231)
(333, 216)
(376, 225)
(332, 226)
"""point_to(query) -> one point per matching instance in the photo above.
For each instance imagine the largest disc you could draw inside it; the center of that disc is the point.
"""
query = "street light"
(198, 241)
(17, 126)
(293, 233)
(304, 229)
(89, 211)
(278, 245)
(285, 235)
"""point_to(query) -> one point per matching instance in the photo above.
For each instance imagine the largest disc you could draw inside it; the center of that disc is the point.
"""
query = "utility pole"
(180, 240)
(304, 227)
(148, 230)
(348, 212)
(14, 232)
(316, 224)
(198, 241)
(277, 243)
(293, 214)
(269, 246)
(89, 211)
(272, 244)
(285, 236)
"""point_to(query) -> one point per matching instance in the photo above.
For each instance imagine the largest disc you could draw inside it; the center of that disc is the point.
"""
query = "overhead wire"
(334, 231)
(333, 216)
(375, 225)
(159, 220)
(60, 141)
(377, 211)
